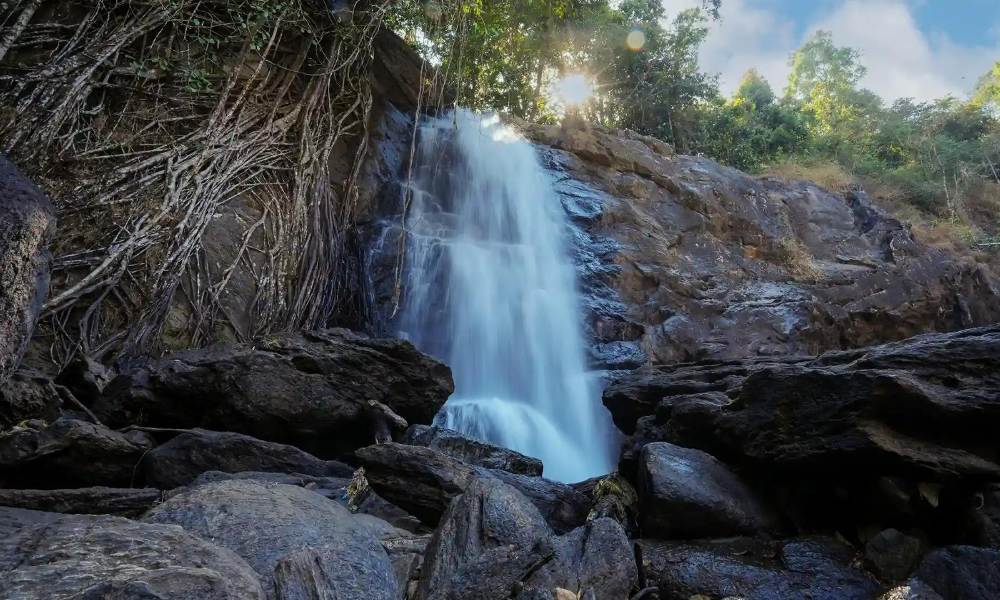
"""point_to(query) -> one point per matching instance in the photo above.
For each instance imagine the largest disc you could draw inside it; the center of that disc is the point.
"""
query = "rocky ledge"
(860, 474)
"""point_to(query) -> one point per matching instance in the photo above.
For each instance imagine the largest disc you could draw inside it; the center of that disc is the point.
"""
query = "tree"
(755, 89)
(987, 92)
(820, 67)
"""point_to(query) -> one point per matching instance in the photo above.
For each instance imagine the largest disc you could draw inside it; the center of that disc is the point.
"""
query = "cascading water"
(490, 289)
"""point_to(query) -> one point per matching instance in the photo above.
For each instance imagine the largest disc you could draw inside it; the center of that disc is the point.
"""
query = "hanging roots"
(143, 119)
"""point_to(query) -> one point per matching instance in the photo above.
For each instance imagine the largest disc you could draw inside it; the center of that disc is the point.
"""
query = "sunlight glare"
(635, 40)
(573, 89)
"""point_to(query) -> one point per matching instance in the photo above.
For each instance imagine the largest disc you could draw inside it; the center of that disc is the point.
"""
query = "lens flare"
(573, 89)
(635, 40)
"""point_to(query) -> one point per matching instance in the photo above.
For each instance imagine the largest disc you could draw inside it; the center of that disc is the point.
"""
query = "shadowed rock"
(423, 481)
(962, 572)
(67, 453)
(493, 543)
(326, 392)
(470, 451)
(182, 459)
(124, 502)
(45, 556)
(686, 493)
(27, 223)
(28, 395)
(815, 568)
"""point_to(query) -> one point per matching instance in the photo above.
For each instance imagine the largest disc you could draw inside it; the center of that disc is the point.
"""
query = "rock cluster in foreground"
(861, 474)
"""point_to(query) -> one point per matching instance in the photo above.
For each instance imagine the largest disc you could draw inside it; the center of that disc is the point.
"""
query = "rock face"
(815, 568)
(125, 502)
(27, 223)
(326, 392)
(900, 433)
(181, 460)
(28, 395)
(69, 452)
(685, 493)
(682, 259)
(301, 544)
(962, 572)
(50, 557)
(424, 481)
(471, 451)
(493, 543)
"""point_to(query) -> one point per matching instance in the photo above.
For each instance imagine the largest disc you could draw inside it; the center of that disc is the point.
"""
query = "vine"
(143, 119)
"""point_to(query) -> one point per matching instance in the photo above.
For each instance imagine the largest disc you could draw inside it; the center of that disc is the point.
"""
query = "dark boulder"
(470, 451)
(892, 555)
(927, 407)
(28, 395)
(85, 378)
(27, 223)
(123, 502)
(423, 481)
(69, 453)
(493, 543)
(962, 572)
(327, 392)
(182, 459)
(686, 493)
(44, 556)
(298, 542)
(815, 568)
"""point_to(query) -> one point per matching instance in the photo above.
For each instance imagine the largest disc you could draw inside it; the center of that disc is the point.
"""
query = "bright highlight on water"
(490, 289)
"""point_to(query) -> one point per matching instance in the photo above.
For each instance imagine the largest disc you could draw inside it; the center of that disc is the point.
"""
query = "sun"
(573, 90)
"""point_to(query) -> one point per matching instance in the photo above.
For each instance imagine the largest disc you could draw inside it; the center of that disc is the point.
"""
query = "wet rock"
(68, 453)
(44, 556)
(686, 493)
(124, 502)
(27, 224)
(493, 543)
(327, 392)
(298, 542)
(470, 451)
(892, 555)
(815, 568)
(962, 572)
(182, 459)
(423, 481)
(28, 395)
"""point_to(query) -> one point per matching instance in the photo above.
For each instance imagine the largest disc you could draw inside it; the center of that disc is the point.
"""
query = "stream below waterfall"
(490, 288)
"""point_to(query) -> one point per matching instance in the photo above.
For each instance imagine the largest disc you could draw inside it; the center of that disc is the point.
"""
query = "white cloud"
(902, 60)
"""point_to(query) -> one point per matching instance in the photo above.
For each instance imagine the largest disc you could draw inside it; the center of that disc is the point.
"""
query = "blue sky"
(912, 48)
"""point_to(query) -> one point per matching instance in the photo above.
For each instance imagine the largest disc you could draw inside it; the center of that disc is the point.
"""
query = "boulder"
(124, 502)
(27, 224)
(86, 378)
(327, 392)
(68, 453)
(28, 395)
(815, 568)
(892, 555)
(423, 481)
(182, 459)
(962, 572)
(924, 408)
(44, 556)
(493, 543)
(686, 493)
(297, 541)
(470, 451)
(364, 502)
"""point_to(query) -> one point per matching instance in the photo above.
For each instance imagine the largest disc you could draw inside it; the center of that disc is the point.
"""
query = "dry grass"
(826, 174)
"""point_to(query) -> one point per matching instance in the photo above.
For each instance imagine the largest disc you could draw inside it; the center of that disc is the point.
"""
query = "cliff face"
(683, 259)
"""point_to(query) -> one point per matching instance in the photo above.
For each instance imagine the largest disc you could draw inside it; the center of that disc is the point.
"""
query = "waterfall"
(491, 290)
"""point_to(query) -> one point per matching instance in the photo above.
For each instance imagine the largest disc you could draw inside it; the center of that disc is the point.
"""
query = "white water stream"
(491, 290)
